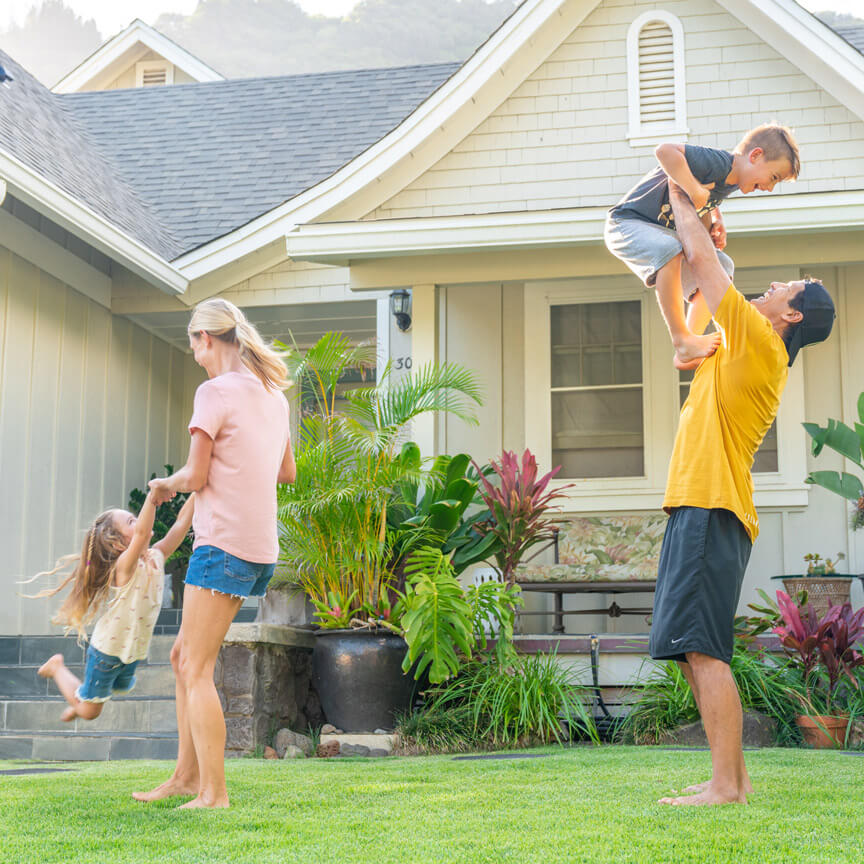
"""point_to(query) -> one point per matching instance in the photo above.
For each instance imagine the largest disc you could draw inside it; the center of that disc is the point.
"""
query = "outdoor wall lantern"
(400, 306)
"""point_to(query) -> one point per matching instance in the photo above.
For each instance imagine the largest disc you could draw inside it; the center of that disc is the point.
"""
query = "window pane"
(598, 433)
(596, 344)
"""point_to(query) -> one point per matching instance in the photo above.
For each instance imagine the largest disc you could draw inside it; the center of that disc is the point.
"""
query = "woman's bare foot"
(195, 803)
(69, 714)
(169, 789)
(708, 797)
(691, 350)
(49, 668)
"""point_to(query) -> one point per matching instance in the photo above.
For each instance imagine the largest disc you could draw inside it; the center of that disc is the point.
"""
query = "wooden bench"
(616, 554)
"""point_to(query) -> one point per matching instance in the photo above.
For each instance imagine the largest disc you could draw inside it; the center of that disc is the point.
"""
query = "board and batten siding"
(90, 406)
(560, 140)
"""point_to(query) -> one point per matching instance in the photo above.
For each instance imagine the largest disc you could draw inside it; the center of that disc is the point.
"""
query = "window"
(655, 79)
(154, 73)
(596, 393)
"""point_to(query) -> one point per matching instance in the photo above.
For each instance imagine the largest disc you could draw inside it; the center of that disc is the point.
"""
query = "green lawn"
(576, 805)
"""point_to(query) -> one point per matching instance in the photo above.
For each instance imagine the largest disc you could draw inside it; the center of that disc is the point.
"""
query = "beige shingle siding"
(90, 405)
(560, 139)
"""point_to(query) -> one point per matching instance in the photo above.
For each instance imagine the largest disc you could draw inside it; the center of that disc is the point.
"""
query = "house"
(138, 56)
(482, 188)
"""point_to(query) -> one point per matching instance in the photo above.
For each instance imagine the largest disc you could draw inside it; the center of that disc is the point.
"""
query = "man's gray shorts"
(702, 563)
(646, 247)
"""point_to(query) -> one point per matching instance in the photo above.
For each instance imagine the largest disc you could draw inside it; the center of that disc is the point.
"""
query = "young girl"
(116, 568)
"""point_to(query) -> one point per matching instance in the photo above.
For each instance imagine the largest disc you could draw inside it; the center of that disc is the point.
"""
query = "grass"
(576, 806)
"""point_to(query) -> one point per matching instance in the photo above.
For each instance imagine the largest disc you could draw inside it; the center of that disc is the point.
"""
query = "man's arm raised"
(698, 248)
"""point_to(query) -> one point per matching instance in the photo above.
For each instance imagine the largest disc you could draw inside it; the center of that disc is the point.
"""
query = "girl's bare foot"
(69, 714)
(169, 789)
(49, 667)
(691, 350)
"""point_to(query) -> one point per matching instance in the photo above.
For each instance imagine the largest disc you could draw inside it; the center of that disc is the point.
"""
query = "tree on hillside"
(51, 41)
(243, 38)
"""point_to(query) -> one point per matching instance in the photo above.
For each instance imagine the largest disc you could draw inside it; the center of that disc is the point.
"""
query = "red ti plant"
(517, 505)
(829, 643)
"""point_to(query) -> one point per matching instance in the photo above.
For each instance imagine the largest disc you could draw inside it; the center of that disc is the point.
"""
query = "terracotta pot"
(823, 732)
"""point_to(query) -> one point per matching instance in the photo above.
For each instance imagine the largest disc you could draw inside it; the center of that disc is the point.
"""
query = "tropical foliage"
(351, 465)
(849, 443)
(518, 504)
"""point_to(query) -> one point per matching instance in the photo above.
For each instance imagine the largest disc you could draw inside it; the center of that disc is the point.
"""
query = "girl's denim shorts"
(105, 676)
(214, 568)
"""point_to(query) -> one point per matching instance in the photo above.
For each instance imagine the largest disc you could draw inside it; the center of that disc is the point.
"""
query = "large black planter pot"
(359, 678)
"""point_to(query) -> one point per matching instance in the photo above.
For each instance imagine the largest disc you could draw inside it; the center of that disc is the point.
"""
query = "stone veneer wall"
(264, 680)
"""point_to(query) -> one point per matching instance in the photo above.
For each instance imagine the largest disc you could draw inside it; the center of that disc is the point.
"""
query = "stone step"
(35, 650)
(83, 747)
(152, 680)
(118, 715)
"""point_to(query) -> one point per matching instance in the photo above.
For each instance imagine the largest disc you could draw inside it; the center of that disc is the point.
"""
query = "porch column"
(424, 350)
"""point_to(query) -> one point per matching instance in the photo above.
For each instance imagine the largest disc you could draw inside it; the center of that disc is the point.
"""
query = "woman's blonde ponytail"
(222, 319)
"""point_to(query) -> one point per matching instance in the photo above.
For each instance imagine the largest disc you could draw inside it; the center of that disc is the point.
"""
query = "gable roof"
(124, 49)
(852, 33)
(39, 132)
(208, 158)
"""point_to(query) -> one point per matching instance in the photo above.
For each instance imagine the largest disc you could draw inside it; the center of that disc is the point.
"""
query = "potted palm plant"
(335, 538)
(823, 651)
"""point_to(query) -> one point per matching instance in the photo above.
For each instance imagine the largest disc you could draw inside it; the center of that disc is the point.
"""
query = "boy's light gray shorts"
(646, 247)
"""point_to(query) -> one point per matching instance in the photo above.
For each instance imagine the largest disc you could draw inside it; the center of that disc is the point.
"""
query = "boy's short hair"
(777, 142)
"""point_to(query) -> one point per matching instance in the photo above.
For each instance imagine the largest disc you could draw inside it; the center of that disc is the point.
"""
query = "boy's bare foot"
(195, 803)
(69, 714)
(168, 789)
(691, 350)
(709, 797)
(49, 667)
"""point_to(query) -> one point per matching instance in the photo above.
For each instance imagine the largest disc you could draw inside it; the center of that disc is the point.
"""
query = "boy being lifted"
(640, 228)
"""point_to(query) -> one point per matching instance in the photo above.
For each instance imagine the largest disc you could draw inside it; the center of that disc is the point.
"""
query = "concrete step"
(152, 680)
(35, 650)
(119, 715)
(86, 747)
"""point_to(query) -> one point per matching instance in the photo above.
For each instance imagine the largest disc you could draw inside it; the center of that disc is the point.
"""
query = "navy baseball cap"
(818, 318)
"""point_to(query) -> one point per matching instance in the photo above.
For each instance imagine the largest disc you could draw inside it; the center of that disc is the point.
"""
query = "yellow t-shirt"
(733, 401)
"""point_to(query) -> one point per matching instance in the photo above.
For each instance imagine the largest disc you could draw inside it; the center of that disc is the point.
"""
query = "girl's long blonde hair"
(90, 578)
(223, 320)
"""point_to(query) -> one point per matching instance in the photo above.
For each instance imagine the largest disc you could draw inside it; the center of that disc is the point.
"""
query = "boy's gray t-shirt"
(648, 200)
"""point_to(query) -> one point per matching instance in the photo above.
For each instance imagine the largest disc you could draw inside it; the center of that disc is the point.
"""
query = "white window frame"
(784, 488)
(651, 134)
(151, 66)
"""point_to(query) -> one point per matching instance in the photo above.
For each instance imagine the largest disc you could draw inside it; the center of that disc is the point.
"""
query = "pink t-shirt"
(236, 509)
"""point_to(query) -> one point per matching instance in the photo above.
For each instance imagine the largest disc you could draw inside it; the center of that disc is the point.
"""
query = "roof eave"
(24, 183)
(340, 243)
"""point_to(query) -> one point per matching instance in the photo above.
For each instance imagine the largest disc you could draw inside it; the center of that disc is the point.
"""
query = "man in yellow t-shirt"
(712, 524)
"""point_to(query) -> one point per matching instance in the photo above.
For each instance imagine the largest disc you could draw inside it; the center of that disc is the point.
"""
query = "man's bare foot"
(707, 798)
(696, 788)
(49, 668)
(691, 350)
(199, 802)
(168, 789)
(69, 714)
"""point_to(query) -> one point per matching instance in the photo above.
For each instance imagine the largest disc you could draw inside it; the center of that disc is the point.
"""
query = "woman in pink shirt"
(240, 450)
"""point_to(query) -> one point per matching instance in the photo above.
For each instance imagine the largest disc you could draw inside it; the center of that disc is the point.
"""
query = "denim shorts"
(213, 568)
(105, 676)
(646, 248)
